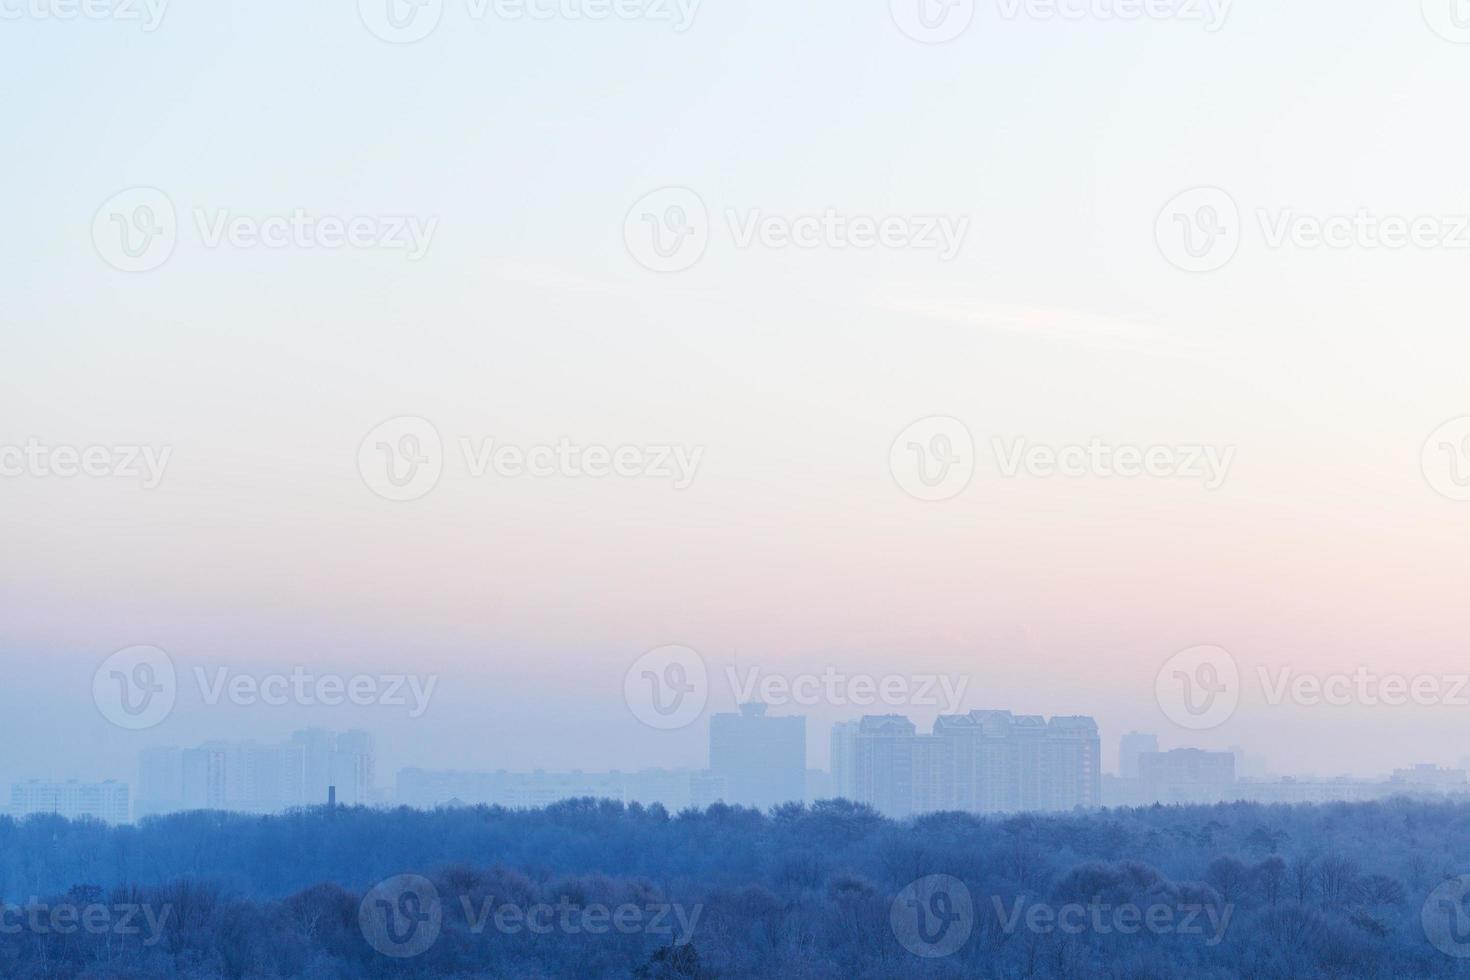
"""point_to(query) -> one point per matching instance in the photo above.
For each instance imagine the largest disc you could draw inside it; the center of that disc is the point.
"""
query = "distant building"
(106, 801)
(981, 762)
(252, 777)
(1431, 777)
(1130, 747)
(1186, 776)
(1248, 766)
(761, 757)
(819, 785)
(842, 759)
(887, 752)
(353, 768)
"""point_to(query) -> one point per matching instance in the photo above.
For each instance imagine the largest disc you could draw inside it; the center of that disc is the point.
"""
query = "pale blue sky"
(528, 321)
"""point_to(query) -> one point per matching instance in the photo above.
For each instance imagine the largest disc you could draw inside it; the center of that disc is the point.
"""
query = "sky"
(578, 231)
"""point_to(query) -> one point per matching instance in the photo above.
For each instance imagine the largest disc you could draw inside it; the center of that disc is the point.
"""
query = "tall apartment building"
(981, 762)
(1130, 747)
(761, 757)
(1186, 776)
(843, 759)
(107, 801)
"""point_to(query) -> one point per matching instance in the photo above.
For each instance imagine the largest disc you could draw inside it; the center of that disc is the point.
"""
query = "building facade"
(1130, 747)
(253, 777)
(981, 762)
(106, 801)
(760, 757)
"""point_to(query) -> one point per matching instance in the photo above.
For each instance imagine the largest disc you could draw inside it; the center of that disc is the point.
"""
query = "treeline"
(593, 889)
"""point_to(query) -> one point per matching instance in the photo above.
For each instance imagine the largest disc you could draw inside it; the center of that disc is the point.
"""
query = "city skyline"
(975, 762)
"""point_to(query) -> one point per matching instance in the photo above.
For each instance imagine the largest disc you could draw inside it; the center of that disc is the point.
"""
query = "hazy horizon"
(774, 266)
